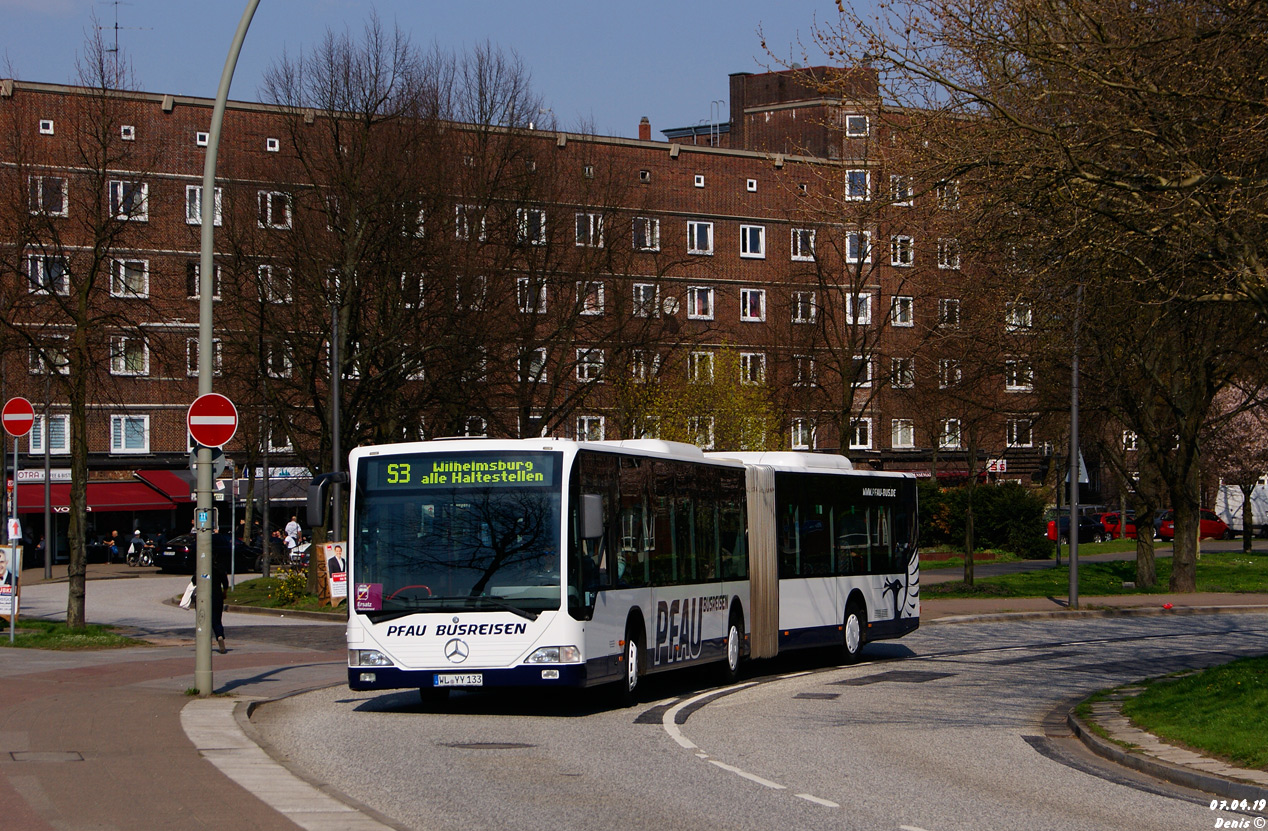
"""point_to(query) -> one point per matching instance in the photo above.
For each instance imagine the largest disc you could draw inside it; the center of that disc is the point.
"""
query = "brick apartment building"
(534, 282)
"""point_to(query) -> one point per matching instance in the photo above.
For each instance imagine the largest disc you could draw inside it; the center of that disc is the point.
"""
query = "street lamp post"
(206, 276)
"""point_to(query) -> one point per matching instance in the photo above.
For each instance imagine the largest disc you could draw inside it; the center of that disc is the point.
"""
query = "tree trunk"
(1184, 550)
(1146, 568)
(968, 541)
(1248, 516)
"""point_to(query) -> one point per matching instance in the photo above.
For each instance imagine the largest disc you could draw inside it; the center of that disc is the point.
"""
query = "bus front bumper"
(536, 675)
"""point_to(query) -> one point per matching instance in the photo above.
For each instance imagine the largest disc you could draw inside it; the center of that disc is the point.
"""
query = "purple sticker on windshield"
(369, 597)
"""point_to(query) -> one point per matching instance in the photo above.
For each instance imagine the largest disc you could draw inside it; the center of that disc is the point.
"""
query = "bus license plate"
(473, 679)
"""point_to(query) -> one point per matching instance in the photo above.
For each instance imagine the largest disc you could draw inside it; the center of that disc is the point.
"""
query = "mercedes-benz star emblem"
(457, 650)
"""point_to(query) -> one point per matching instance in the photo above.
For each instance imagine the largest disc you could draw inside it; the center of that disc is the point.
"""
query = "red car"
(1211, 527)
(1109, 521)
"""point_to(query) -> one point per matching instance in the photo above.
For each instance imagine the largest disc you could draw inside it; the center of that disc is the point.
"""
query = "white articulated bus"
(488, 563)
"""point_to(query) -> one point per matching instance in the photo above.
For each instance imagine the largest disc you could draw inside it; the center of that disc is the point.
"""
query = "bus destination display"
(481, 470)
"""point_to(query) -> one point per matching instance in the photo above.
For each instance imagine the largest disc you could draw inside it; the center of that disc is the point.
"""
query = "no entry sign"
(18, 416)
(212, 420)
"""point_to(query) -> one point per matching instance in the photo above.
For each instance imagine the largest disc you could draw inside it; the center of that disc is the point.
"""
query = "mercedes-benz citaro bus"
(549, 562)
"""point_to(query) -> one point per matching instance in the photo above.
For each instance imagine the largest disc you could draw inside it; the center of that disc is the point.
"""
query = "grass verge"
(1222, 711)
(47, 634)
(1230, 571)
(275, 593)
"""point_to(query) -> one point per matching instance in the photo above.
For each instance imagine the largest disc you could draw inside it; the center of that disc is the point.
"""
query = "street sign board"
(212, 420)
(18, 416)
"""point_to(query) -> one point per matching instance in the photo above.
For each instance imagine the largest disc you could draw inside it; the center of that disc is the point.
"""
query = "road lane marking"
(752, 777)
(816, 800)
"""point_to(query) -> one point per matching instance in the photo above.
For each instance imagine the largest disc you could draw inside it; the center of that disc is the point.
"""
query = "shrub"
(1006, 516)
(292, 586)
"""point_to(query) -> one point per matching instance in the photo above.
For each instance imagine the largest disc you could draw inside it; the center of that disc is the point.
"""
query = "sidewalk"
(86, 738)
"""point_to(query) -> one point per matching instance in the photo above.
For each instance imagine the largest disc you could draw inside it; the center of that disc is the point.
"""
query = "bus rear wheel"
(854, 634)
(734, 651)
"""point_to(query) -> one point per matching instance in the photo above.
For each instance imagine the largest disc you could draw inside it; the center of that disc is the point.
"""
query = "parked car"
(1210, 526)
(1090, 529)
(180, 553)
(1109, 521)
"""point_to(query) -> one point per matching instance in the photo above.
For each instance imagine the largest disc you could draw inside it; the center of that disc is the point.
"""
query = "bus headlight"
(368, 658)
(555, 655)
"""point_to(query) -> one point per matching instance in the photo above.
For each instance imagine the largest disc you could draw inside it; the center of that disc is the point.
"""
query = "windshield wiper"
(499, 603)
(425, 604)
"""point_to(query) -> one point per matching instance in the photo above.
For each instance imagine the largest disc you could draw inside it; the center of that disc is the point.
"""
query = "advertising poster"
(336, 570)
(8, 585)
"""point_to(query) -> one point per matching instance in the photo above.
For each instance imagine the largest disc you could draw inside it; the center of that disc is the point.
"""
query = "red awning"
(102, 496)
(175, 486)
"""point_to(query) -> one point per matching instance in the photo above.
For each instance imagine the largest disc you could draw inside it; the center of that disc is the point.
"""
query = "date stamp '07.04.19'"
(1239, 806)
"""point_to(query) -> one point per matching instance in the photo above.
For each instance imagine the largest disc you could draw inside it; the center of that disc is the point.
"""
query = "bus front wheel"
(855, 633)
(628, 687)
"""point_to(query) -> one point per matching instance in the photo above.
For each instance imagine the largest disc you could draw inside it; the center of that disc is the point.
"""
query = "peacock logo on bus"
(680, 627)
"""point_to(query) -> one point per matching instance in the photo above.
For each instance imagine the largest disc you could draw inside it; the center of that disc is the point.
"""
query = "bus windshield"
(448, 532)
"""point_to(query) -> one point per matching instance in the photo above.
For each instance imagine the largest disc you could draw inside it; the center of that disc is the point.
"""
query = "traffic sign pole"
(18, 417)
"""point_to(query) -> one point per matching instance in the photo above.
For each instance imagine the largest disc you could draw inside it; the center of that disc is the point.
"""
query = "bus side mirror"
(591, 516)
(317, 494)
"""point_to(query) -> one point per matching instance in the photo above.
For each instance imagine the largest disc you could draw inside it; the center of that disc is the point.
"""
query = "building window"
(804, 308)
(858, 247)
(192, 283)
(530, 295)
(590, 428)
(752, 368)
(590, 297)
(753, 305)
(1018, 376)
(644, 365)
(202, 139)
(902, 311)
(802, 434)
(856, 126)
(46, 126)
(533, 365)
(129, 278)
(803, 244)
(753, 241)
(127, 132)
(699, 303)
(902, 250)
(129, 355)
(645, 177)
(900, 190)
(58, 435)
(274, 209)
(1129, 440)
(475, 427)
(699, 237)
(862, 367)
(948, 194)
(950, 435)
(48, 195)
(646, 300)
(50, 358)
(466, 216)
(590, 230)
(275, 283)
(803, 371)
(532, 226)
(699, 181)
(130, 434)
(646, 233)
(700, 430)
(861, 434)
(1018, 316)
(272, 145)
(277, 360)
(590, 365)
(949, 373)
(129, 200)
(902, 373)
(858, 309)
(949, 313)
(948, 253)
(412, 289)
(191, 357)
(47, 275)
(700, 367)
(1019, 433)
(857, 185)
(751, 185)
(194, 206)
(902, 434)
(471, 293)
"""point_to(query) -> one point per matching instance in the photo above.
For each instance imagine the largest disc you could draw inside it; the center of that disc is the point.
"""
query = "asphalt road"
(947, 729)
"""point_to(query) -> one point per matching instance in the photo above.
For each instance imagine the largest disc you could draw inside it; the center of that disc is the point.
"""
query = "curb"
(1186, 777)
(323, 617)
(1124, 611)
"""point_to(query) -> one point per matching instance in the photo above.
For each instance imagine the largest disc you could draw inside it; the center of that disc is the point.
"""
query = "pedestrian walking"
(219, 588)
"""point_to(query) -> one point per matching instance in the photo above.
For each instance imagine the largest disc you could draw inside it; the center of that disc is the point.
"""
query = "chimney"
(644, 129)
